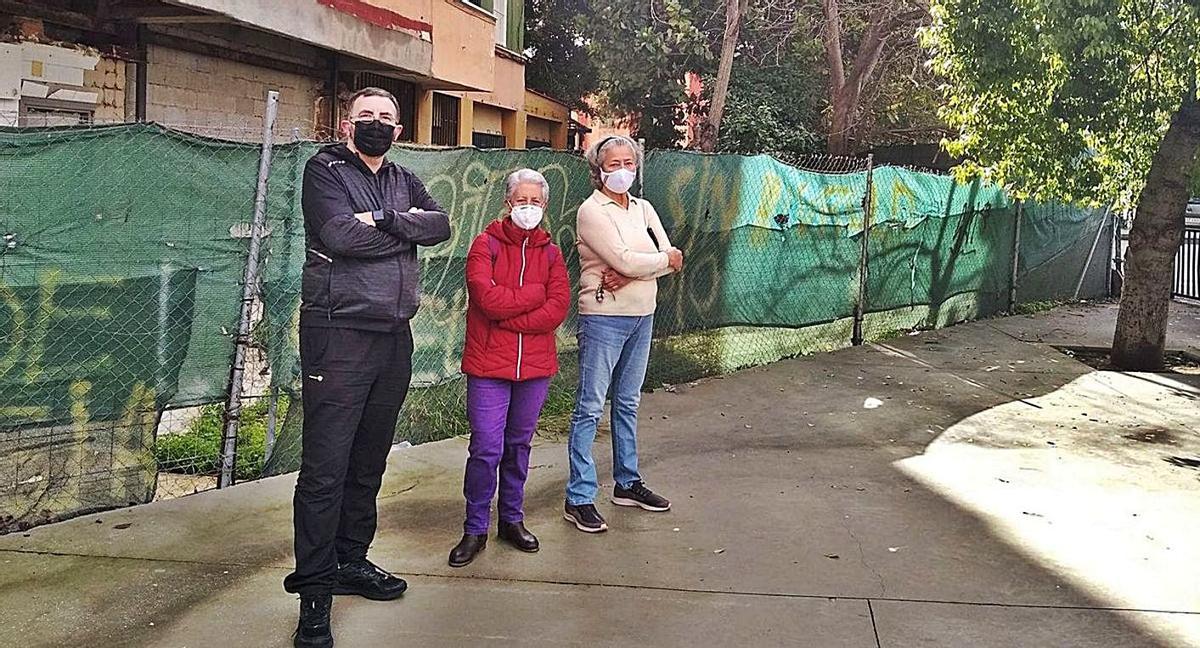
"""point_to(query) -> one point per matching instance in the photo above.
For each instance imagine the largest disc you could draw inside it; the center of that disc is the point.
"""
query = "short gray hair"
(526, 176)
(595, 154)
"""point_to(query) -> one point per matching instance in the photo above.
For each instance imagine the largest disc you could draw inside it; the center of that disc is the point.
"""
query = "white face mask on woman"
(527, 217)
(618, 181)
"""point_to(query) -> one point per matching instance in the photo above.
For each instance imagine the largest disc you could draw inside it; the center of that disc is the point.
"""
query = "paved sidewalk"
(1001, 495)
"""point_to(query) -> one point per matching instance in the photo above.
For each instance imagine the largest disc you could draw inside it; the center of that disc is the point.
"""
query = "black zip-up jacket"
(355, 275)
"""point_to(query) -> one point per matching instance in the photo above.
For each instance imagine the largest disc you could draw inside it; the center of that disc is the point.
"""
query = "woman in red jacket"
(518, 295)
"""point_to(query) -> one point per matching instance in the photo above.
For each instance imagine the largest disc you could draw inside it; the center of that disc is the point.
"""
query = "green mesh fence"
(121, 279)
(1064, 253)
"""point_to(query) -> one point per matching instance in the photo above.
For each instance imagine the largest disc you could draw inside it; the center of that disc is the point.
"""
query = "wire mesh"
(125, 247)
(124, 251)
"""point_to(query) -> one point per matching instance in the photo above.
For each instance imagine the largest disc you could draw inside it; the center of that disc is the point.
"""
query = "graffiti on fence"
(89, 365)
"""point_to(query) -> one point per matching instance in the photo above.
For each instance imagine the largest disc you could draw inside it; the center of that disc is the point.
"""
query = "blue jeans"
(613, 350)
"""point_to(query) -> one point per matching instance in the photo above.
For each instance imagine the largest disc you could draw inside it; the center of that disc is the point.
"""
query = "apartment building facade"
(456, 66)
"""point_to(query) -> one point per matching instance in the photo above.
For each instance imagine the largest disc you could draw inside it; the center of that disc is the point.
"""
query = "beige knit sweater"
(610, 236)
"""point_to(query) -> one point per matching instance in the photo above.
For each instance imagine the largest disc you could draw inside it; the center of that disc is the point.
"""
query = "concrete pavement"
(1002, 494)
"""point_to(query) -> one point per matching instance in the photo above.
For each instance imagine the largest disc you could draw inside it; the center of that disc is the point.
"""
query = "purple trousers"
(503, 415)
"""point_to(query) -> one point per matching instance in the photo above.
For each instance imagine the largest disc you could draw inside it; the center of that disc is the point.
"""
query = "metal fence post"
(1119, 254)
(1092, 254)
(272, 421)
(641, 177)
(233, 406)
(1114, 251)
(1016, 256)
(860, 302)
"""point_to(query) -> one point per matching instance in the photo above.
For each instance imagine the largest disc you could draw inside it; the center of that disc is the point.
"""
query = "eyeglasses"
(366, 119)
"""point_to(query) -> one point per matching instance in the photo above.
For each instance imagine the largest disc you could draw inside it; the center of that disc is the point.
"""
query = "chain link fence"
(122, 280)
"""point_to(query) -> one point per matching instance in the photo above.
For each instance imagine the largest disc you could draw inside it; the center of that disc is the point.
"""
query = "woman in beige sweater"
(623, 250)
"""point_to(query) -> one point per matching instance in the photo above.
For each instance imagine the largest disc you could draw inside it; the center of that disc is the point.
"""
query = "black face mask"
(373, 138)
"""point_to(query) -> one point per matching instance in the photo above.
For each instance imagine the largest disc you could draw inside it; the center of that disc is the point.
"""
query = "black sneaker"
(313, 631)
(585, 517)
(638, 495)
(362, 578)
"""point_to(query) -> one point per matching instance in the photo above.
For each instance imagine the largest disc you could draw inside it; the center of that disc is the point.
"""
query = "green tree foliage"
(644, 50)
(776, 105)
(1090, 101)
(1064, 100)
(781, 88)
(559, 64)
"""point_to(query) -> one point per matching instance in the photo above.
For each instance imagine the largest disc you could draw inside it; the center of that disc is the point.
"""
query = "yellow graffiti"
(675, 208)
(46, 311)
(901, 193)
(29, 338)
(772, 190)
(24, 413)
(80, 415)
(17, 333)
(839, 198)
(139, 406)
(138, 422)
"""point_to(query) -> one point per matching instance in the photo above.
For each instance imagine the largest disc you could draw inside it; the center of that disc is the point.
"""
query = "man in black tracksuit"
(363, 220)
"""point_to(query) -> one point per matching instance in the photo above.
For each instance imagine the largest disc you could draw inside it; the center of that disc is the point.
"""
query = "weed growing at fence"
(197, 450)
(1035, 307)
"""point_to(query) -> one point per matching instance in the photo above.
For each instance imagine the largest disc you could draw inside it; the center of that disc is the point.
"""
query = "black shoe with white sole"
(638, 495)
(585, 517)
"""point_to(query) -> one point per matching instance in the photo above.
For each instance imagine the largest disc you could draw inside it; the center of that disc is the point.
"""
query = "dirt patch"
(173, 485)
(1159, 437)
(1177, 362)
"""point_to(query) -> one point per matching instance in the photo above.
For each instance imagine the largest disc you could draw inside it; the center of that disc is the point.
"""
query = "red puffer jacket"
(518, 296)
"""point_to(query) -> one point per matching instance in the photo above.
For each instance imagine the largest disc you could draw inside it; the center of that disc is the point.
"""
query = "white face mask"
(527, 217)
(618, 181)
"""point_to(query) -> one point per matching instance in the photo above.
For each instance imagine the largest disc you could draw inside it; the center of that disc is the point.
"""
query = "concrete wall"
(548, 120)
(421, 10)
(224, 98)
(509, 85)
(539, 129)
(488, 119)
(36, 71)
(340, 30)
(109, 80)
(464, 43)
(544, 107)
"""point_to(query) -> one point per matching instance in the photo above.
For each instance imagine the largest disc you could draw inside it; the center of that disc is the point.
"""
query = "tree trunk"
(711, 126)
(1140, 337)
(840, 118)
(846, 85)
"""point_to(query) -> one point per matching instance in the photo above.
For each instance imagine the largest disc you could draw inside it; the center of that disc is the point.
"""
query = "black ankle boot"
(313, 631)
(466, 549)
(515, 534)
